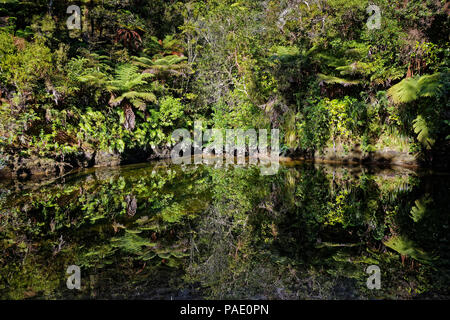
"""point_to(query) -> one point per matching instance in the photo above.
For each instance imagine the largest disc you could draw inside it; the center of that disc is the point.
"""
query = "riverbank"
(34, 167)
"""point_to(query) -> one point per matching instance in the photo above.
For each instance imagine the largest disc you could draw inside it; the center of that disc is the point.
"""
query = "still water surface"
(160, 231)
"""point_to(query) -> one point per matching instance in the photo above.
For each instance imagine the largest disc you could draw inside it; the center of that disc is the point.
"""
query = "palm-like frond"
(171, 64)
(423, 132)
(146, 96)
(142, 62)
(127, 77)
(97, 79)
(129, 88)
(420, 208)
(336, 80)
(137, 99)
(355, 68)
(405, 91)
(411, 89)
(166, 46)
(430, 85)
(407, 247)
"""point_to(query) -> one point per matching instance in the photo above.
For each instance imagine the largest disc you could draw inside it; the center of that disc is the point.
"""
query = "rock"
(33, 166)
(394, 157)
(38, 166)
(355, 155)
(106, 159)
(25, 168)
(160, 153)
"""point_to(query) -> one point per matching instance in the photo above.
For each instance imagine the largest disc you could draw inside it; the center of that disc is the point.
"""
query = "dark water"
(158, 231)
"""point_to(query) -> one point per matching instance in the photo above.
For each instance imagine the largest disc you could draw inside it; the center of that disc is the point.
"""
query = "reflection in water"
(158, 231)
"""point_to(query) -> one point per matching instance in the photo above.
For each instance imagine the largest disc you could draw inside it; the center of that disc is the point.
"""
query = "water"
(159, 231)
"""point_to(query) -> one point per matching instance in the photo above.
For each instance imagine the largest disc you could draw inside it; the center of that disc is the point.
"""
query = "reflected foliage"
(159, 231)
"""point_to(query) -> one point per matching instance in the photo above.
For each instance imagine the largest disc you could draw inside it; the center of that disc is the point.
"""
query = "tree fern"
(407, 247)
(127, 77)
(430, 85)
(347, 64)
(130, 88)
(165, 66)
(404, 91)
(411, 89)
(168, 45)
(129, 83)
(93, 78)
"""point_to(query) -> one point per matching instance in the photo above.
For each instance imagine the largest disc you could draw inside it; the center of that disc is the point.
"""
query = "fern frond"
(405, 91)
(430, 85)
(423, 132)
(144, 96)
(336, 80)
(411, 89)
(97, 79)
(407, 247)
(171, 64)
(356, 67)
(420, 208)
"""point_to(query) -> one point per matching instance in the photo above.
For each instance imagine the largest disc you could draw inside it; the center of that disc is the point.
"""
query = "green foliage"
(138, 70)
(24, 68)
(219, 226)
(406, 247)
(127, 86)
(313, 70)
(411, 89)
(423, 132)
(314, 131)
(418, 212)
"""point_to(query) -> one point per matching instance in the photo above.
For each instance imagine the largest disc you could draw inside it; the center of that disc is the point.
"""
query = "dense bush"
(137, 70)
